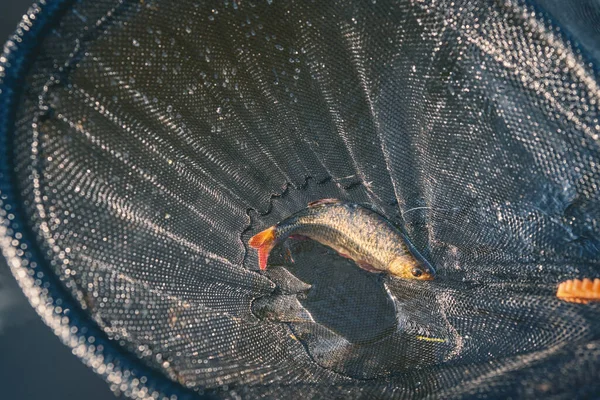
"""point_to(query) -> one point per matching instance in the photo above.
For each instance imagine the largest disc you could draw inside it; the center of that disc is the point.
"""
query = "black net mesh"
(153, 138)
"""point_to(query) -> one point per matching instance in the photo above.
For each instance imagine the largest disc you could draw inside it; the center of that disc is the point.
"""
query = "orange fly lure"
(579, 290)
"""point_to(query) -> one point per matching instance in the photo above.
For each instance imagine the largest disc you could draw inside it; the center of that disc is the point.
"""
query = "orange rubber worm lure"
(579, 290)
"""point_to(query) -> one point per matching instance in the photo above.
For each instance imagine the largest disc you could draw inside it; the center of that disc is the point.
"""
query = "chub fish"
(353, 231)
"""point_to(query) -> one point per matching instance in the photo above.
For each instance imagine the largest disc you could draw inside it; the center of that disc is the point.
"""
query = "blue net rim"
(120, 368)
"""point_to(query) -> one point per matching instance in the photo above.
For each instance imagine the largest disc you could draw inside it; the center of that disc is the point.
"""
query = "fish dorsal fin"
(323, 201)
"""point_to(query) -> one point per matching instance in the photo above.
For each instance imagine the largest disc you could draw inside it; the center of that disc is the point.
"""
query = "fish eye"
(416, 272)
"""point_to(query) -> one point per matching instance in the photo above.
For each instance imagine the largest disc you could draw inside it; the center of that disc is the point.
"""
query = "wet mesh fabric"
(150, 140)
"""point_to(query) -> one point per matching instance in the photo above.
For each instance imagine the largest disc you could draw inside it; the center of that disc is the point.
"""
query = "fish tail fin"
(263, 241)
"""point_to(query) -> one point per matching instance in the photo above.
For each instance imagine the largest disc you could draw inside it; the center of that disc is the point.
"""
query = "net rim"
(118, 367)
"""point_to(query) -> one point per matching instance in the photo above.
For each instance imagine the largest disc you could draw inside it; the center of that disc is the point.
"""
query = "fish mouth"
(427, 277)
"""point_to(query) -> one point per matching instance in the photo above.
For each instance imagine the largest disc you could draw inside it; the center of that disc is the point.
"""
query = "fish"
(355, 232)
(579, 290)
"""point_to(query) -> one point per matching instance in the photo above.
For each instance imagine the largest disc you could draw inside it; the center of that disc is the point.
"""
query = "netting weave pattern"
(153, 138)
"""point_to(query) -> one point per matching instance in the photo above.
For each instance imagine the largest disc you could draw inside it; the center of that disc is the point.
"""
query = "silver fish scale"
(350, 229)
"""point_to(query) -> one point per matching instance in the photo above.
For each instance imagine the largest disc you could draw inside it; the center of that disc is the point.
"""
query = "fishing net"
(144, 142)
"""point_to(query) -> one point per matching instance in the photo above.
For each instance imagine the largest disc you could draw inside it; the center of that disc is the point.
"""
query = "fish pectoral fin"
(366, 266)
(323, 201)
(288, 257)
